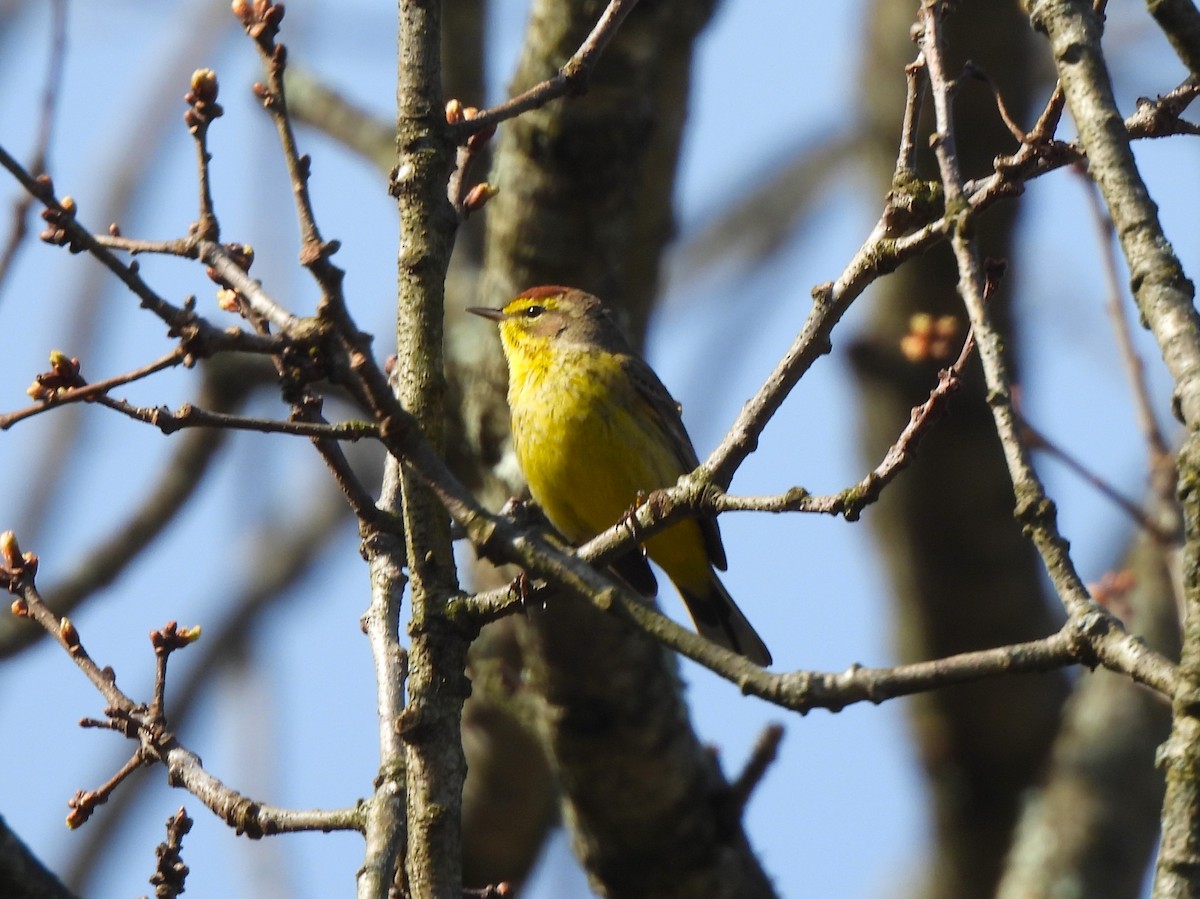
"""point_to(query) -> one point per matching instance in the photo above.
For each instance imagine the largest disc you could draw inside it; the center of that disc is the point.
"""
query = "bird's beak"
(496, 315)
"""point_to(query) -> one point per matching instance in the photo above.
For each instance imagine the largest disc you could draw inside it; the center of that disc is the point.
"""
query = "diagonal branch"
(571, 78)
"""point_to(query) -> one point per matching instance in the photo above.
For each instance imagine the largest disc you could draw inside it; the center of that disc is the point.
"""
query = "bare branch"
(851, 501)
(148, 725)
(92, 392)
(571, 78)
(170, 873)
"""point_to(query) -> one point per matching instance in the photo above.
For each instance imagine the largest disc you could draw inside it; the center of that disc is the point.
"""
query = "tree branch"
(147, 725)
(571, 78)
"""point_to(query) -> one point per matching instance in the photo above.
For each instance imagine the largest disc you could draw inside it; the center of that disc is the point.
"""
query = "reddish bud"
(478, 196)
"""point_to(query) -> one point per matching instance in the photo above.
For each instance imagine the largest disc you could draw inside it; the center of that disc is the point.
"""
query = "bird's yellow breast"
(584, 439)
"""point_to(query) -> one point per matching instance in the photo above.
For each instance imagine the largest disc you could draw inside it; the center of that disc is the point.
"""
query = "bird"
(594, 429)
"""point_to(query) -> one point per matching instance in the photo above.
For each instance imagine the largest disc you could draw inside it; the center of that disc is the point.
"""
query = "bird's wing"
(666, 414)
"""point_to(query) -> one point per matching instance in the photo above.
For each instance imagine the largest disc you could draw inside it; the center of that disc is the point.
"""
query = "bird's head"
(554, 316)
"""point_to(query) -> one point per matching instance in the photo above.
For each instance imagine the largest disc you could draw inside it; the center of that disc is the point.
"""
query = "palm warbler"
(593, 426)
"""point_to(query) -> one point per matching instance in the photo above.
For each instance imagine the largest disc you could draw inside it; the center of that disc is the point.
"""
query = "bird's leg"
(517, 509)
(521, 588)
(629, 519)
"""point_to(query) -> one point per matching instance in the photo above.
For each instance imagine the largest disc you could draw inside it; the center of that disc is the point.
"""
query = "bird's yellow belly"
(583, 464)
(586, 458)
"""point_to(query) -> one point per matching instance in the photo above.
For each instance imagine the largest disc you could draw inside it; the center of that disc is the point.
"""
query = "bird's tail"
(718, 618)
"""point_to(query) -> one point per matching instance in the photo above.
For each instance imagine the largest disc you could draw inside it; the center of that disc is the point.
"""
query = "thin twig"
(170, 872)
(94, 391)
(766, 748)
(286, 555)
(803, 691)
(184, 246)
(851, 501)
(41, 150)
(231, 272)
(1039, 441)
(1156, 443)
(331, 453)
(203, 109)
(315, 103)
(222, 387)
(262, 23)
(570, 78)
(906, 155)
(201, 337)
(1009, 122)
(189, 416)
(156, 742)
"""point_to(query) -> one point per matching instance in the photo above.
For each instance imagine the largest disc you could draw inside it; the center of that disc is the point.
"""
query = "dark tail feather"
(635, 570)
(718, 618)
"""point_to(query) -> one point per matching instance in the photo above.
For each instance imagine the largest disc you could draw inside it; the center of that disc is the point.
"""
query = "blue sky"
(812, 586)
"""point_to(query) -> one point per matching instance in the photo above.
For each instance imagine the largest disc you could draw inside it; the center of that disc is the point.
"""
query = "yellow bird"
(593, 426)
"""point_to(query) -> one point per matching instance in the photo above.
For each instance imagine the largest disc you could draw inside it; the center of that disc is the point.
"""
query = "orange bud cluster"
(59, 218)
(456, 114)
(63, 375)
(261, 20)
(172, 637)
(929, 338)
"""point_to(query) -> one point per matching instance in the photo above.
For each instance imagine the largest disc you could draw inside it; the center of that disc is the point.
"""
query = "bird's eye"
(534, 311)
